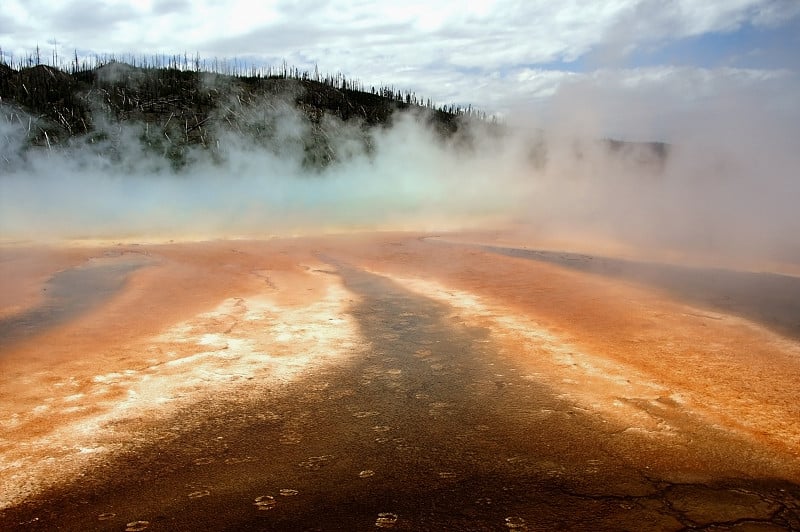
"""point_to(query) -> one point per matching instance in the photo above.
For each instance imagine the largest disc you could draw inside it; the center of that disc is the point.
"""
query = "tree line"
(78, 65)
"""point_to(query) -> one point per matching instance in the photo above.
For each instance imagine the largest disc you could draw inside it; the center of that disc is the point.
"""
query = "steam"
(405, 176)
(726, 186)
(731, 182)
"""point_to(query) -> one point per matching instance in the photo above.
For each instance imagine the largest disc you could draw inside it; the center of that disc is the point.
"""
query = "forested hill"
(179, 108)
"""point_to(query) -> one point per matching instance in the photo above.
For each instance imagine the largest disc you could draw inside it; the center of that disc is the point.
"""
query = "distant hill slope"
(179, 109)
(186, 105)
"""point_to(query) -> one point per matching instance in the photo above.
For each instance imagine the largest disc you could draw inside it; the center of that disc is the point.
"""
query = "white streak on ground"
(264, 346)
(615, 390)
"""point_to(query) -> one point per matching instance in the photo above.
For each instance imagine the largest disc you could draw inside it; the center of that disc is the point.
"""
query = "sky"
(508, 57)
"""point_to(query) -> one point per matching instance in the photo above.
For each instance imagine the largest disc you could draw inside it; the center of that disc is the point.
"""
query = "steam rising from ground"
(730, 186)
(727, 186)
(407, 177)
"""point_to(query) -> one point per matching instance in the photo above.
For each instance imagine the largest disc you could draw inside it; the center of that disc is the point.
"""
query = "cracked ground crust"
(471, 391)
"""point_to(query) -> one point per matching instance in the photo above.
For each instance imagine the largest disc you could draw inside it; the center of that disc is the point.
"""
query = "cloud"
(167, 7)
(374, 41)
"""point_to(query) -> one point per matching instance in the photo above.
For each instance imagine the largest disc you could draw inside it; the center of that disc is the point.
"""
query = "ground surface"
(392, 380)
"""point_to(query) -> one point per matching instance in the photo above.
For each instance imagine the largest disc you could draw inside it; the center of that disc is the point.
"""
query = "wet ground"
(767, 298)
(428, 427)
(71, 293)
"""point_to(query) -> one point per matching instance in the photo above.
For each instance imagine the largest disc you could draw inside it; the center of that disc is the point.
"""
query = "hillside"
(183, 108)
(176, 109)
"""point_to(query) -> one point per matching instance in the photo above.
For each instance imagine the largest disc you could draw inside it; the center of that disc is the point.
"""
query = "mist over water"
(726, 185)
(240, 188)
(405, 176)
(730, 184)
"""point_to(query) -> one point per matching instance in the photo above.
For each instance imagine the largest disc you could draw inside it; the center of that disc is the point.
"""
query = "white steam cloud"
(731, 183)
(728, 184)
(408, 178)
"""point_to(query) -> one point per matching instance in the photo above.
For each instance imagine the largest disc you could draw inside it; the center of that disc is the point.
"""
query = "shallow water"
(767, 298)
(70, 293)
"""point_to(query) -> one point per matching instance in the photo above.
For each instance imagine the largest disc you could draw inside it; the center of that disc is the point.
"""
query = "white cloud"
(496, 54)
(497, 33)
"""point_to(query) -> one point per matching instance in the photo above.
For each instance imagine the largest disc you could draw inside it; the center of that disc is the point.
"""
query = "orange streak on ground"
(193, 301)
(729, 371)
(735, 373)
(24, 270)
(188, 279)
